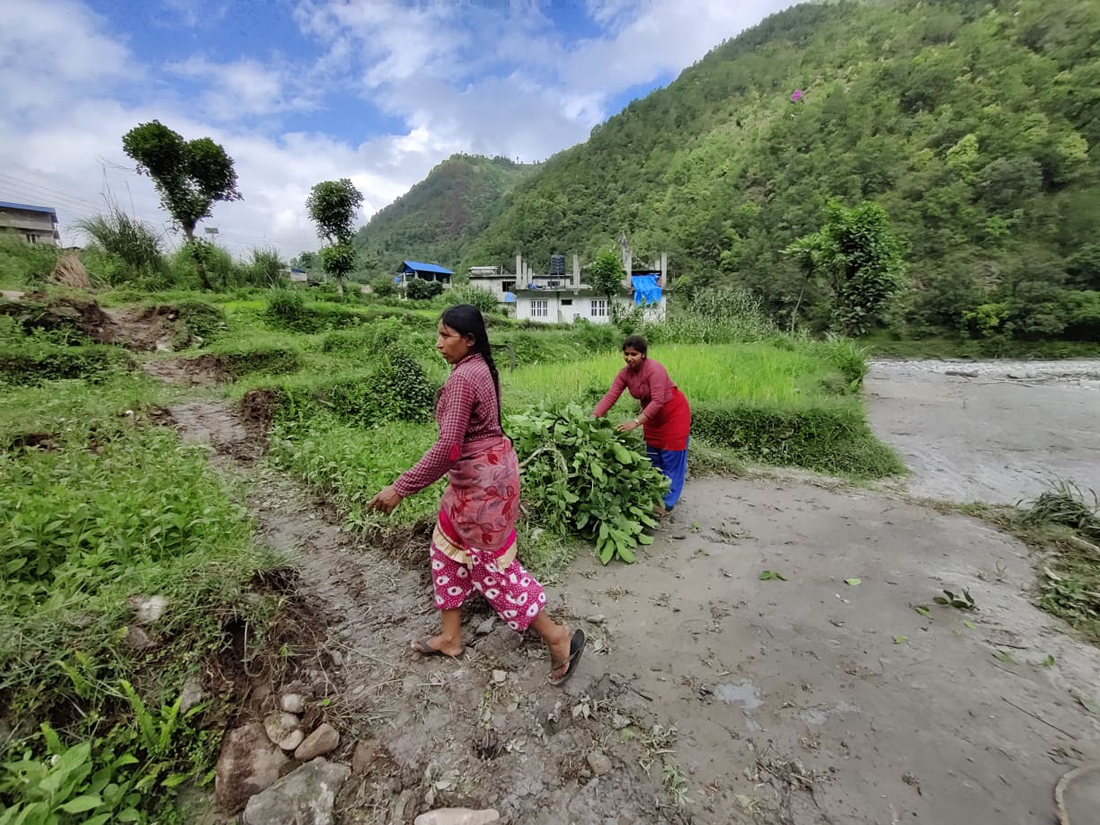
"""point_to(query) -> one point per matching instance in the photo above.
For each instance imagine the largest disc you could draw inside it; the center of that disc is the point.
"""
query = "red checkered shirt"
(467, 410)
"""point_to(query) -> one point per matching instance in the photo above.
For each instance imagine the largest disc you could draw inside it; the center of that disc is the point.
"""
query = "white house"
(561, 299)
(493, 279)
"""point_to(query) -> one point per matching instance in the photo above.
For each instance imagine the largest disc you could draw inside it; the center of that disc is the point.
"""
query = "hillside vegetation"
(973, 124)
(438, 216)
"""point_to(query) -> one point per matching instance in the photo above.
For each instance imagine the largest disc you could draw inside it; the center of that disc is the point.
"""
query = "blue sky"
(305, 90)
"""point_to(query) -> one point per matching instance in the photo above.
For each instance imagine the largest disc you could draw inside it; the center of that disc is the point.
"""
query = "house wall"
(37, 225)
(565, 307)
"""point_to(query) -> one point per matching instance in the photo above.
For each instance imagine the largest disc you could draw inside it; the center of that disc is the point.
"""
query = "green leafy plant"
(581, 476)
(961, 602)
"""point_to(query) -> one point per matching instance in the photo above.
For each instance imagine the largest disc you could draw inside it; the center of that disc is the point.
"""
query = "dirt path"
(995, 432)
(480, 732)
(800, 701)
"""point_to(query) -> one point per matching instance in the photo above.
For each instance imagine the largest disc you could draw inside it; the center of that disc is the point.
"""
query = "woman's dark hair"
(466, 319)
(634, 342)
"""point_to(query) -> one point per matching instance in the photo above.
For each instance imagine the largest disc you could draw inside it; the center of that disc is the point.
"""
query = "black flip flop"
(576, 648)
(424, 648)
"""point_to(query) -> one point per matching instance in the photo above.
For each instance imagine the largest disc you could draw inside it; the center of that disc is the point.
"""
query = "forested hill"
(434, 219)
(975, 125)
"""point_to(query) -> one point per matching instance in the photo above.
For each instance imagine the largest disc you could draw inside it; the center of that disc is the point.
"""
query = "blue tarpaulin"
(646, 289)
(509, 297)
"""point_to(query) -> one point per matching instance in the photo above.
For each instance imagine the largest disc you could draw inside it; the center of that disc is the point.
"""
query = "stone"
(499, 677)
(599, 763)
(248, 763)
(319, 743)
(147, 611)
(305, 796)
(137, 639)
(293, 703)
(284, 730)
(457, 816)
(596, 618)
(191, 694)
(364, 756)
(486, 627)
(620, 722)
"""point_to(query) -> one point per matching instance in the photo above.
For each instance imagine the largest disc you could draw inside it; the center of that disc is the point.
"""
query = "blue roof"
(417, 266)
(49, 210)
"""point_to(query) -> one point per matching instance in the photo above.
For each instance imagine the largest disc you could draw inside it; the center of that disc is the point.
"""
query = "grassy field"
(101, 506)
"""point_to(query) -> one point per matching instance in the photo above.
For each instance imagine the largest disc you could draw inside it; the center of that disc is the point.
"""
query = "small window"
(508, 286)
(599, 308)
(567, 302)
(32, 238)
(538, 309)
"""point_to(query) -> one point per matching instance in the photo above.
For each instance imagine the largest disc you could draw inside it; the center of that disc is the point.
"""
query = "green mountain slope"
(976, 125)
(434, 219)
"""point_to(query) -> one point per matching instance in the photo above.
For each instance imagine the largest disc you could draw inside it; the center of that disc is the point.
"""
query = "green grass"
(884, 346)
(84, 526)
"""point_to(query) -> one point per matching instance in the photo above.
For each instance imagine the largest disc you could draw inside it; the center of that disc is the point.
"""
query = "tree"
(332, 205)
(190, 176)
(859, 258)
(606, 274)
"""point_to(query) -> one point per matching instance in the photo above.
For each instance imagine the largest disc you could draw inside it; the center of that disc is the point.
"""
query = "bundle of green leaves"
(581, 476)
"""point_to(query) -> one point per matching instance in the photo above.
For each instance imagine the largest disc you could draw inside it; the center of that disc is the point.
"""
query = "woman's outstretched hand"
(627, 426)
(386, 501)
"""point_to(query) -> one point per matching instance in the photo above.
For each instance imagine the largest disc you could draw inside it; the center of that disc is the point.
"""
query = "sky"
(300, 91)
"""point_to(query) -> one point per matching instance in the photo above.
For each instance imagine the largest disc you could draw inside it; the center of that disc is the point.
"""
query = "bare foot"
(559, 651)
(436, 645)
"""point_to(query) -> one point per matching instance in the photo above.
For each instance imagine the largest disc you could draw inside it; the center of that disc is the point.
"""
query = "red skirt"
(672, 426)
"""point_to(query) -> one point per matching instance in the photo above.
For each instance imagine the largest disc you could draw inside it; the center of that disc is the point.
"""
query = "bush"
(35, 363)
(483, 299)
(399, 390)
(130, 241)
(580, 476)
(265, 268)
(419, 290)
(382, 286)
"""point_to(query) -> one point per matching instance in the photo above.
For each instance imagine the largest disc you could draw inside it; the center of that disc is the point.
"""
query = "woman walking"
(474, 543)
(665, 417)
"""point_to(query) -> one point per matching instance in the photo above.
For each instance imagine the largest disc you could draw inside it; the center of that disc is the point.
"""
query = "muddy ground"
(707, 694)
(994, 432)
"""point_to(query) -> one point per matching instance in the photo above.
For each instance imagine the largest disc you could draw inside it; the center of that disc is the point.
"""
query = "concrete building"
(35, 224)
(562, 299)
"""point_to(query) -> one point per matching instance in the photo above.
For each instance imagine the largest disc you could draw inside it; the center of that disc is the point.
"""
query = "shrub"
(265, 268)
(132, 241)
(382, 286)
(419, 290)
(580, 476)
(483, 299)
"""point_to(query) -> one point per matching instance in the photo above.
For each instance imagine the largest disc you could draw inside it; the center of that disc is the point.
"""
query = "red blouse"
(665, 407)
(467, 410)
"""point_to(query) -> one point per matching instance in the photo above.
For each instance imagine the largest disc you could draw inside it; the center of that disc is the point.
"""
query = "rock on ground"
(249, 763)
(457, 816)
(322, 741)
(293, 703)
(304, 797)
(284, 730)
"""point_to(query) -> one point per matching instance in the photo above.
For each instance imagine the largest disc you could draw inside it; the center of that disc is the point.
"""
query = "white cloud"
(244, 87)
(491, 79)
